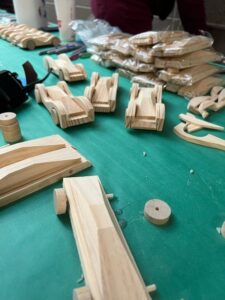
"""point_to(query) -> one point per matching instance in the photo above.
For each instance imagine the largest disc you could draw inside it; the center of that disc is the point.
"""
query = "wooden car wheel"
(61, 75)
(37, 95)
(60, 201)
(31, 45)
(55, 116)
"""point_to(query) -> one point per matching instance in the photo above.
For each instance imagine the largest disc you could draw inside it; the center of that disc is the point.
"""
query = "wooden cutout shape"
(194, 124)
(215, 102)
(64, 68)
(102, 92)
(109, 268)
(66, 110)
(207, 141)
(145, 109)
(29, 166)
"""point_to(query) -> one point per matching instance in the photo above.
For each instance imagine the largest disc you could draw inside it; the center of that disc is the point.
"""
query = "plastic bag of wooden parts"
(183, 46)
(143, 54)
(149, 79)
(126, 73)
(105, 42)
(188, 77)
(189, 60)
(214, 102)
(153, 37)
(132, 64)
(122, 46)
(200, 88)
(103, 62)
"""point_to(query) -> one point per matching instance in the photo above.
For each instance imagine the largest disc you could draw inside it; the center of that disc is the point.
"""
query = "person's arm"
(192, 14)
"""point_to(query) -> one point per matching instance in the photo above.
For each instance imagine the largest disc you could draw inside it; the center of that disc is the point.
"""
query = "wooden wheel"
(55, 116)
(31, 45)
(60, 201)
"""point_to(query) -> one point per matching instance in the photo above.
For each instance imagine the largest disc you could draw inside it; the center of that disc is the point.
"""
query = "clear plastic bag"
(103, 62)
(189, 60)
(143, 54)
(149, 79)
(132, 64)
(122, 46)
(88, 29)
(188, 77)
(183, 46)
(105, 42)
(153, 37)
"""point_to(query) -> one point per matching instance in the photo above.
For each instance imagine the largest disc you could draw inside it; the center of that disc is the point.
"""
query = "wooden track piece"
(157, 211)
(66, 110)
(145, 109)
(108, 266)
(29, 166)
(102, 92)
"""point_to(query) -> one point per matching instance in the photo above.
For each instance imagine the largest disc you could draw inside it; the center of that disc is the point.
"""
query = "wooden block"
(145, 110)
(66, 110)
(29, 166)
(64, 68)
(109, 268)
(102, 92)
(157, 211)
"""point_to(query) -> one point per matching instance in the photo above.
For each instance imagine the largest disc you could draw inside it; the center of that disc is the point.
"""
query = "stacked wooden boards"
(109, 268)
(29, 166)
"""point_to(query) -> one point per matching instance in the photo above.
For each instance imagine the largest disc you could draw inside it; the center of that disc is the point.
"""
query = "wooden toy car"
(109, 268)
(29, 166)
(145, 109)
(64, 68)
(31, 41)
(66, 110)
(102, 92)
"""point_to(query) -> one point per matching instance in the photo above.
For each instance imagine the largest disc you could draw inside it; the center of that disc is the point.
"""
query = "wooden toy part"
(222, 229)
(64, 68)
(60, 200)
(29, 166)
(102, 92)
(66, 110)
(10, 127)
(207, 141)
(145, 109)
(194, 124)
(109, 268)
(157, 211)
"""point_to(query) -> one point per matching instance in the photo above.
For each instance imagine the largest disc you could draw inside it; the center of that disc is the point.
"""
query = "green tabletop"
(185, 258)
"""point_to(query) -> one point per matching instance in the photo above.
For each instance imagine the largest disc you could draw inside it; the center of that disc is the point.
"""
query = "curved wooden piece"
(207, 141)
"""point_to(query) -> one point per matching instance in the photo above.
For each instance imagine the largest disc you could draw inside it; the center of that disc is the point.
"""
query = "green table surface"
(185, 258)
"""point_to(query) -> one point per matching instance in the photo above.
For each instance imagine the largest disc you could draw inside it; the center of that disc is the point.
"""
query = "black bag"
(162, 8)
(12, 92)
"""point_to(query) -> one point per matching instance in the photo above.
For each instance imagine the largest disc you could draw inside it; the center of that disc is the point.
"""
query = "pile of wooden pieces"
(145, 109)
(27, 37)
(173, 58)
(109, 268)
(30, 166)
(191, 124)
(203, 104)
(10, 127)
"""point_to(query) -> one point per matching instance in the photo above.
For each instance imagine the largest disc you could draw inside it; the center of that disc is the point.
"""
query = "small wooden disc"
(157, 211)
(7, 118)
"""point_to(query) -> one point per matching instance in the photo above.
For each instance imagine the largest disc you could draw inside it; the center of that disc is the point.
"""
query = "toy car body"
(65, 109)
(102, 92)
(64, 68)
(145, 109)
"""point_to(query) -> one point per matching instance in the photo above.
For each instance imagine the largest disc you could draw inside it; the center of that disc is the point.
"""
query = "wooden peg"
(10, 127)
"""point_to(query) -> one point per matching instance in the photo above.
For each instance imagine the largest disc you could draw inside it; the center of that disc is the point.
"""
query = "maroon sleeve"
(130, 16)
(192, 14)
